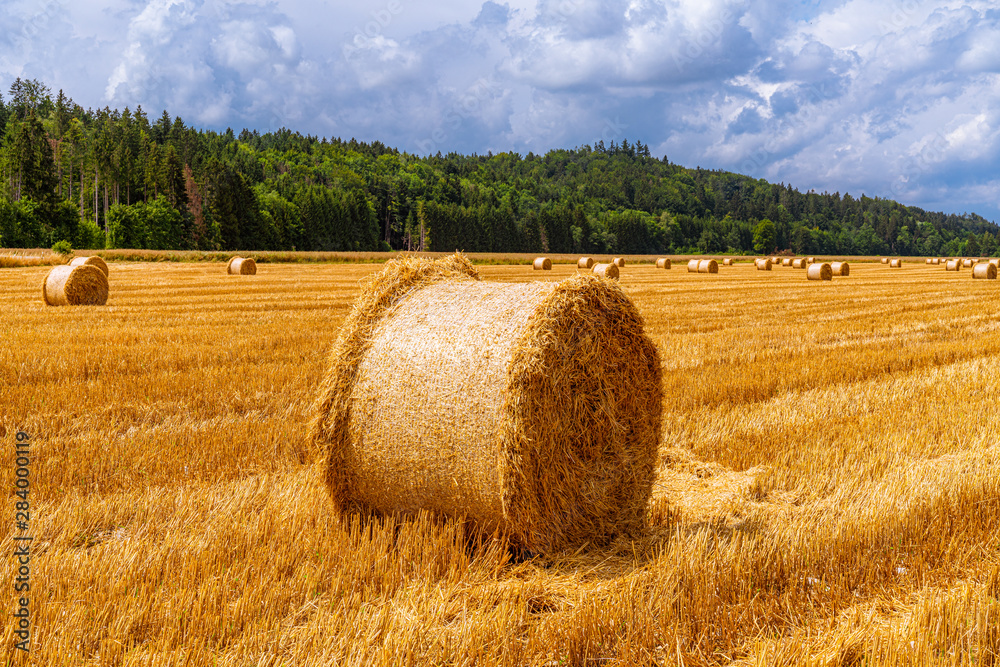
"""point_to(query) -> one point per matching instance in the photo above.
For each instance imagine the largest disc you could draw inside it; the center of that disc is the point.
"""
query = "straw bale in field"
(708, 266)
(728, 261)
(995, 262)
(242, 266)
(799, 263)
(787, 261)
(885, 260)
(928, 261)
(821, 271)
(840, 268)
(606, 271)
(93, 260)
(967, 263)
(693, 266)
(810, 260)
(763, 264)
(532, 408)
(585, 263)
(542, 264)
(663, 263)
(953, 265)
(775, 261)
(987, 271)
(67, 285)
(896, 263)
(619, 262)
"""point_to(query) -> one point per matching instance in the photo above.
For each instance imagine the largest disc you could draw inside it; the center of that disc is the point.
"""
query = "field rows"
(829, 484)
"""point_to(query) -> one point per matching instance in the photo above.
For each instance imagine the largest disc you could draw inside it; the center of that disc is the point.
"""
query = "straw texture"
(606, 271)
(530, 408)
(819, 271)
(987, 271)
(93, 260)
(542, 264)
(585, 263)
(75, 286)
(763, 264)
(663, 263)
(708, 266)
(242, 266)
(840, 268)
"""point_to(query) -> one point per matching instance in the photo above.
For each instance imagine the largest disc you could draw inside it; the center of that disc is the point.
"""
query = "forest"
(116, 179)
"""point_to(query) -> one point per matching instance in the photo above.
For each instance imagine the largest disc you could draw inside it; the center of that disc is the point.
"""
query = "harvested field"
(827, 490)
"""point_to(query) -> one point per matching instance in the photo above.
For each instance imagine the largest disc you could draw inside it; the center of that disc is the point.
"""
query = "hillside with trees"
(116, 179)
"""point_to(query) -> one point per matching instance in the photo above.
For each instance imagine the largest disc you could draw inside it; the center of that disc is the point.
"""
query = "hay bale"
(928, 261)
(81, 285)
(728, 261)
(840, 268)
(618, 261)
(93, 260)
(585, 263)
(885, 260)
(787, 261)
(708, 266)
(995, 262)
(953, 265)
(985, 271)
(542, 264)
(242, 266)
(822, 271)
(895, 264)
(968, 263)
(606, 271)
(531, 408)
(663, 263)
(810, 260)
(775, 261)
(693, 266)
(799, 263)
(763, 264)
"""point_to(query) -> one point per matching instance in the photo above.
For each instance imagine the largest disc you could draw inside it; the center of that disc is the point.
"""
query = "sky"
(889, 98)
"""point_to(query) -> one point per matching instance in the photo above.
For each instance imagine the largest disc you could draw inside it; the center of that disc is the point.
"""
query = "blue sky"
(890, 98)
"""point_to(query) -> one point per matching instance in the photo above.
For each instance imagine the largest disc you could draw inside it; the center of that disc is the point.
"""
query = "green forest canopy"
(113, 179)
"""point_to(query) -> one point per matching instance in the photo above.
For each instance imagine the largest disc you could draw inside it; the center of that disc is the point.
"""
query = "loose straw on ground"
(75, 286)
(531, 408)
(243, 266)
(93, 260)
(542, 264)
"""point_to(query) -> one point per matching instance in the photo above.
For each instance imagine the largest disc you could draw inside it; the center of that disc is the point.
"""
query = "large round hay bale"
(81, 285)
(968, 263)
(840, 268)
(242, 266)
(618, 261)
(663, 263)
(953, 265)
(799, 263)
(93, 260)
(895, 263)
(606, 271)
(708, 266)
(987, 271)
(787, 261)
(885, 260)
(763, 264)
(585, 263)
(693, 265)
(531, 408)
(821, 271)
(728, 261)
(542, 264)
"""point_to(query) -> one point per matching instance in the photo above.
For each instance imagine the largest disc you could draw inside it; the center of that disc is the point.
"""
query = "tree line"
(116, 179)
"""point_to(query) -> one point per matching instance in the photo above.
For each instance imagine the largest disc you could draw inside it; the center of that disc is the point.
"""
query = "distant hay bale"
(242, 266)
(775, 261)
(885, 260)
(606, 271)
(896, 264)
(619, 262)
(534, 409)
(810, 260)
(929, 261)
(663, 263)
(708, 266)
(799, 263)
(820, 271)
(542, 264)
(987, 271)
(967, 263)
(763, 264)
(728, 261)
(787, 261)
(585, 263)
(81, 285)
(995, 262)
(840, 268)
(93, 260)
(953, 265)
(693, 266)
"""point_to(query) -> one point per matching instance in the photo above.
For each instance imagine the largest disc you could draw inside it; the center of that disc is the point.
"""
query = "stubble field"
(829, 487)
